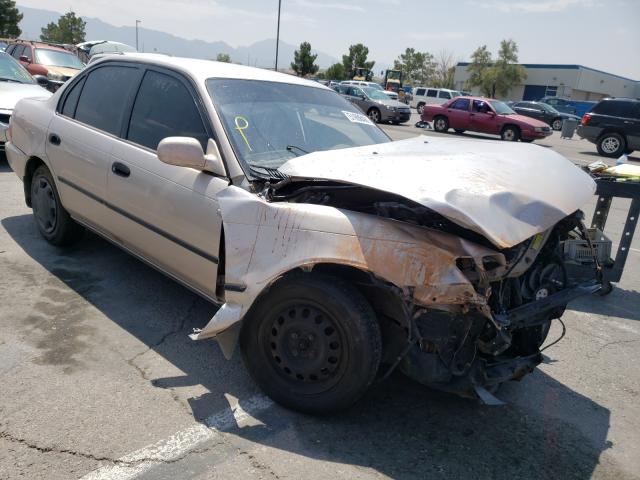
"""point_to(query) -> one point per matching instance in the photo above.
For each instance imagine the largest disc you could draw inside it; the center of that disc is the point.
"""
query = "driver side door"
(483, 122)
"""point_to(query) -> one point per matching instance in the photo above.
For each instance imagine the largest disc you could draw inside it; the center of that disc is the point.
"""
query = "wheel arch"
(514, 125)
(608, 130)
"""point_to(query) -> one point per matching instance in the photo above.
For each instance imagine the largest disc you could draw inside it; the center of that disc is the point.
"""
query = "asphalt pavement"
(98, 380)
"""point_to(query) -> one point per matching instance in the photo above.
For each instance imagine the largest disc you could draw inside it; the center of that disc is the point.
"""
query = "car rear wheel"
(312, 343)
(510, 134)
(557, 124)
(420, 108)
(611, 145)
(54, 222)
(441, 124)
(374, 115)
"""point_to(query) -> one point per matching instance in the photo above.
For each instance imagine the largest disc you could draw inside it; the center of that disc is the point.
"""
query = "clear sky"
(602, 34)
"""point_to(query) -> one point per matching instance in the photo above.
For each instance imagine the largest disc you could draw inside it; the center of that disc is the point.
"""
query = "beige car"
(336, 255)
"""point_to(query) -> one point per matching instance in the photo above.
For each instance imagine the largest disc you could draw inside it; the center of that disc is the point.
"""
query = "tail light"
(586, 118)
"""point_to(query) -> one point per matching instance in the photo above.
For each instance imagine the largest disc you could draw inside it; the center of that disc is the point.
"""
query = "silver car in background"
(15, 84)
(376, 104)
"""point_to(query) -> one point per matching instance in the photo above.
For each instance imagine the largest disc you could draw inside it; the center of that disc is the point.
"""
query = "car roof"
(43, 45)
(202, 70)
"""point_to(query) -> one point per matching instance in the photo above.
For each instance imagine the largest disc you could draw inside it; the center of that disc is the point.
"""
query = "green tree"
(499, 76)
(69, 29)
(507, 72)
(357, 57)
(10, 17)
(417, 68)
(304, 61)
(223, 57)
(335, 72)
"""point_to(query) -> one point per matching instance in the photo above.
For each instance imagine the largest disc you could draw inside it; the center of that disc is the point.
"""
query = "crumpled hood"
(11, 92)
(506, 192)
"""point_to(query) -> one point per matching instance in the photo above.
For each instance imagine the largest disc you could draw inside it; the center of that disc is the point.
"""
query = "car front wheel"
(312, 343)
(510, 134)
(374, 115)
(54, 222)
(420, 108)
(557, 124)
(611, 145)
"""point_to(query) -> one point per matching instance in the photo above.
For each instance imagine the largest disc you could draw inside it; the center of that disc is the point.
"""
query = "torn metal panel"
(507, 192)
(265, 240)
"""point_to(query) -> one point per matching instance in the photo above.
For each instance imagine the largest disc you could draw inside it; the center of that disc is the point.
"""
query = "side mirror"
(42, 80)
(187, 152)
(24, 58)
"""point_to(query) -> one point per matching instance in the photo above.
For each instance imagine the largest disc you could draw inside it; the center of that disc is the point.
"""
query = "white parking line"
(170, 449)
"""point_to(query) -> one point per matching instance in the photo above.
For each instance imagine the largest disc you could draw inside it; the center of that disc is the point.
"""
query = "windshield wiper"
(291, 148)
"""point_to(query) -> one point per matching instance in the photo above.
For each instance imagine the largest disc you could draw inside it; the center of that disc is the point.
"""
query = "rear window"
(104, 97)
(443, 94)
(617, 108)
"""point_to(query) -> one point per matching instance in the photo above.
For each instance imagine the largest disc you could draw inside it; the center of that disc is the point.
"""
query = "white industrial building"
(572, 81)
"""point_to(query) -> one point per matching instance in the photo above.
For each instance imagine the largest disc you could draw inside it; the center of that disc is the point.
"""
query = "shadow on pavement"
(631, 158)
(4, 165)
(400, 429)
(620, 302)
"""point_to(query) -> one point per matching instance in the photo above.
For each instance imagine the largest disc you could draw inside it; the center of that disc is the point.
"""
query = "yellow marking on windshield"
(241, 127)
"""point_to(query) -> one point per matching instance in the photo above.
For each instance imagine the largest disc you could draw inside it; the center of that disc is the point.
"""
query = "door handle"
(54, 139)
(120, 169)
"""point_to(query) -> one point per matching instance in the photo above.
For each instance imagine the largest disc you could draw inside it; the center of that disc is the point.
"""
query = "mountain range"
(260, 54)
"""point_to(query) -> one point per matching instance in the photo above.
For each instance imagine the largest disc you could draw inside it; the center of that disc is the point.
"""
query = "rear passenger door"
(166, 214)
(82, 133)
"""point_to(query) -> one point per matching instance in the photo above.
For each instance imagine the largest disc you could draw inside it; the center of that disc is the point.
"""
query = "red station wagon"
(484, 115)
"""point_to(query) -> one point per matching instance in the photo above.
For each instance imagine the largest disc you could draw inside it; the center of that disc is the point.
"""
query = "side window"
(10, 48)
(480, 106)
(69, 108)
(420, 92)
(460, 104)
(104, 97)
(27, 52)
(17, 51)
(443, 94)
(164, 108)
(432, 93)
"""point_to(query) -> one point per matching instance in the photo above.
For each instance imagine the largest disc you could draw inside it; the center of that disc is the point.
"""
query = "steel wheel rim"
(45, 206)
(509, 135)
(305, 346)
(420, 109)
(610, 144)
(373, 116)
(557, 124)
(440, 124)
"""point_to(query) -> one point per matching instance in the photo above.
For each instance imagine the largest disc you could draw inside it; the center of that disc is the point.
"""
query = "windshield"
(375, 94)
(375, 86)
(501, 108)
(12, 71)
(269, 123)
(455, 93)
(57, 58)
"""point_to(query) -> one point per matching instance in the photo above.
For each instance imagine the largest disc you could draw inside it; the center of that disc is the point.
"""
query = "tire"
(312, 343)
(556, 124)
(374, 115)
(53, 220)
(420, 108)
(459, 131)
(611, 145)
(510, 134)
(441, 124)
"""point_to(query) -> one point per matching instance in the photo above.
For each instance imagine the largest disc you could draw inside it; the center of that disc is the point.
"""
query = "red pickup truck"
(484, 115)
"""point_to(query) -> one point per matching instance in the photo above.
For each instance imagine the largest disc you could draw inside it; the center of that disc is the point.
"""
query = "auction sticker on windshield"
(357, 117)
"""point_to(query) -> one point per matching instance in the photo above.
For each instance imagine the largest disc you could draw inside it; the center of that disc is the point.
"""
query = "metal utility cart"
(607, 189)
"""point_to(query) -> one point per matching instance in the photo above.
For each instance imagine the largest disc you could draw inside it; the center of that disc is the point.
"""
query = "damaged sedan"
(336, 255)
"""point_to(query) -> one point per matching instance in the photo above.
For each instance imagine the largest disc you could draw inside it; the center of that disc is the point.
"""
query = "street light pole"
(278, 34)
(137, 22)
